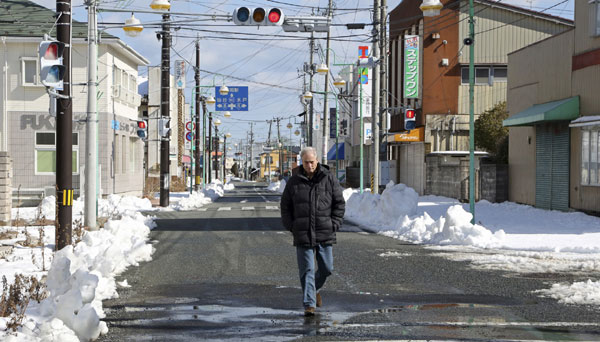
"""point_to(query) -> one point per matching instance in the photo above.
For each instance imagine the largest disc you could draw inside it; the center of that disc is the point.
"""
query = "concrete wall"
(493, 182)
(448, 176)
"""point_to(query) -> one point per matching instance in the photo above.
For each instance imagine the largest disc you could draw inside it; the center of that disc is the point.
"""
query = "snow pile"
(200, 198)
(278, 186)
(583, 293)
(454, 228)
(81, 276)
(380, 212)
(112, 206)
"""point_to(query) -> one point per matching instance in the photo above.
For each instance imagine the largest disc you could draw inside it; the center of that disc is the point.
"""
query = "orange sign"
(417, 134)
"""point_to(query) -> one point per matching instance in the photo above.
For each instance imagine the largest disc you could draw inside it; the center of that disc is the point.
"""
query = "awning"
(592, 120)
(566, 109)
(331, 153)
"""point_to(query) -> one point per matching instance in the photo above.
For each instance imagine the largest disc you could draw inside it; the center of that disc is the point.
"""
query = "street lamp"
(223, 90)
(227, 114)
(431, 8)
(160, 5)
(307, 96)
(210, 100)
(133, 26)
(322, 69)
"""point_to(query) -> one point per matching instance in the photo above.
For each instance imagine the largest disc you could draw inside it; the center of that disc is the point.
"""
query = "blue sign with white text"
(235, 100)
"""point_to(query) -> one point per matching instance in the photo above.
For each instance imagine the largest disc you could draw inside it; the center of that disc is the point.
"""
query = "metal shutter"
(552, 167)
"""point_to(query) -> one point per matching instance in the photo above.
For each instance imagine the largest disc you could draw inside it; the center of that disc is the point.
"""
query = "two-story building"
(439, 91)
(28, 130)
(554, 123)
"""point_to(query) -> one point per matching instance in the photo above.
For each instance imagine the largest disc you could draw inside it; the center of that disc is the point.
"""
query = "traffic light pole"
(64, 133)
(208, 160)
(91, 153)
(165, 85)
(311, 124)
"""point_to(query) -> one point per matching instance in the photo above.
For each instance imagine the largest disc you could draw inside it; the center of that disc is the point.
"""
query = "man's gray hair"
(308, 149)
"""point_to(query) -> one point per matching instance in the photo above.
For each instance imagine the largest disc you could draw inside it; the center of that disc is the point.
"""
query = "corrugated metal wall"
(500, 31)
(485, 97)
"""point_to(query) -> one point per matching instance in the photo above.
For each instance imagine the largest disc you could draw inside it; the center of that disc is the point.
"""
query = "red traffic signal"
(409, 119)
(141, 124)
(142, 129)
(51, 69)
(275, 16)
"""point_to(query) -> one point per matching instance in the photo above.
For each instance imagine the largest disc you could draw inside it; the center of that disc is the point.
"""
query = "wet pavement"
(231, 275)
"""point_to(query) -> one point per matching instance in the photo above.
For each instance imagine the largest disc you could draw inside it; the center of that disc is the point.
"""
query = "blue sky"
(273, 61)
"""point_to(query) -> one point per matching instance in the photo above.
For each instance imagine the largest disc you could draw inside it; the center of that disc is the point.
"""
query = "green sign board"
(411, 67)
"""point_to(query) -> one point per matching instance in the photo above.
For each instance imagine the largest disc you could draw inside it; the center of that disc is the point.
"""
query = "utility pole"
(309, 130)
(216, 161)
(64, 134)
(208, 161)
(376, 95)
(384, 78)
(268, 159)
(197, 135)
(326, 101)
(251, 150)
(91, 153)
(165, 88)
(279, 146)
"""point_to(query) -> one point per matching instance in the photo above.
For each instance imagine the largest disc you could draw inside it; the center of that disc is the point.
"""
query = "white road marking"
(203, 209)
(247, 208)
(478, 324)
(224, 209)
(271, 207)
(244, 201)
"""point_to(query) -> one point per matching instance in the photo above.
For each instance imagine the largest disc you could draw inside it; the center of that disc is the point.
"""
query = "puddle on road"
(222, 323)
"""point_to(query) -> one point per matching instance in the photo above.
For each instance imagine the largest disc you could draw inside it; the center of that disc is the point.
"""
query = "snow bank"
(278, 186)
(380, 212)
(200, 198)
(82, 276)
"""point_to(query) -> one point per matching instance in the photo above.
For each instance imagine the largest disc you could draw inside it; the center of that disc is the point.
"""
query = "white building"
(28, 131)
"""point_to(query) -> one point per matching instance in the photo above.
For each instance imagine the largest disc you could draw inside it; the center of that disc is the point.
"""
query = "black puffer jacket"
(313, 209)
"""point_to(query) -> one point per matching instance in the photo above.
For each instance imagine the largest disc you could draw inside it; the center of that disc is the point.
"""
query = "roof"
(23, 18)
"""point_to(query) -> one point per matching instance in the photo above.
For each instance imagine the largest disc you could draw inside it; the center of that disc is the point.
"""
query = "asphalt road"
(228, 273)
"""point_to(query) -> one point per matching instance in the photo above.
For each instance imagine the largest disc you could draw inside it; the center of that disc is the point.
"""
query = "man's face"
(309, 163)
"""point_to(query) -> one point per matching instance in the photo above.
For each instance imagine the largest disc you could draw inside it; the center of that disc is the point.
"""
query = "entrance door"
(552, 167)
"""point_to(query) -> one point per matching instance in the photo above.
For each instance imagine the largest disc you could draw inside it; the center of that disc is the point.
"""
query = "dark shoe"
(309, 311)
(319, 300)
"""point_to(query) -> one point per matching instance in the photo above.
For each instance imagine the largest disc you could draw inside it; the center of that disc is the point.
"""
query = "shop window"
(45, 153)
(590, 157)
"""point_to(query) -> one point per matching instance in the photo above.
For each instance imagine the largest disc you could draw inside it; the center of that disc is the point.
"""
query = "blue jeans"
(310, 280)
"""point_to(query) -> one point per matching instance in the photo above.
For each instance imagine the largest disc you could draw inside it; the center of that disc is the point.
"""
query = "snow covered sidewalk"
(80, 277)
(507, 236)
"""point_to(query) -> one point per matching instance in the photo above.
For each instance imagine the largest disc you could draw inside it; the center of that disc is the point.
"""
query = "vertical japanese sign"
(180, 74)
(411, 67)
(365, 91)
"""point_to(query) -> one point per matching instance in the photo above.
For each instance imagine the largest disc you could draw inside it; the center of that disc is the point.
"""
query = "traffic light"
(163, 127)
(409, 119)
(258, 16)
(142, 129)
(51, 69)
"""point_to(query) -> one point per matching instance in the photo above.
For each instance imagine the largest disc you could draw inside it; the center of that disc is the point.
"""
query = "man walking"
(312, 208)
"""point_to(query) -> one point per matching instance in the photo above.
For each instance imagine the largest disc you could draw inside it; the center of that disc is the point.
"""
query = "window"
(482, 76)
(500, 74)
(132, 148)
(590, 157)
(594, 14)
(485, 75)
(29, 71)
(45, 153)
(124, 153)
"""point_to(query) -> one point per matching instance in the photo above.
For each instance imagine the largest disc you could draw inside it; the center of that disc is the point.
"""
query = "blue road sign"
(236, 100)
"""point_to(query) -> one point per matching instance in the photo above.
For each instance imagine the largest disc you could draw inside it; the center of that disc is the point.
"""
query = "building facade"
(28, 130)
(554, 123)
(440, 96)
